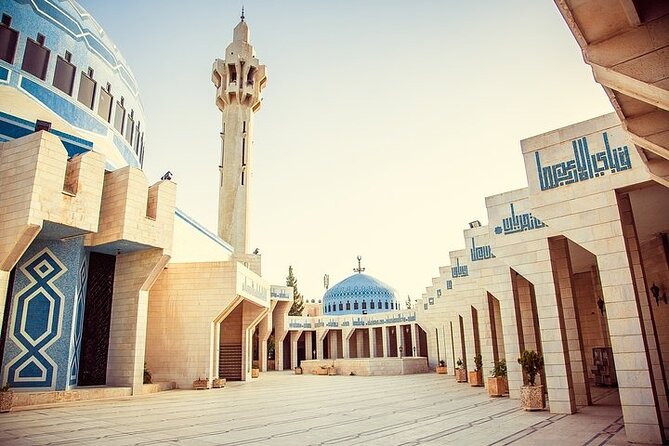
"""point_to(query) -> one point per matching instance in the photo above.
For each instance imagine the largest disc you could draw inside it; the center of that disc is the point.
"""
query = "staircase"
(230, 362)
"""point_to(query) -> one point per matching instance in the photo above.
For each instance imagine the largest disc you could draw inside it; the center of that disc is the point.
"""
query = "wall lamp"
(655, 291)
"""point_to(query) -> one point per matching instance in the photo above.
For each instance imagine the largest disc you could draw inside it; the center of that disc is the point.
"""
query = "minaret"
(239, 80)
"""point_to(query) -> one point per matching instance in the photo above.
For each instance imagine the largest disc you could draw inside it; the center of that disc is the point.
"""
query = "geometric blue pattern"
(78, 316)
(36, 323)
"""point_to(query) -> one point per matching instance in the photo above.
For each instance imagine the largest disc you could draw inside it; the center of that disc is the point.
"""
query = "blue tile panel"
(38, 349)
(584, 166)
(12, 127)
(358, 293)
(78, 322)
(480, 252)
(518, 223)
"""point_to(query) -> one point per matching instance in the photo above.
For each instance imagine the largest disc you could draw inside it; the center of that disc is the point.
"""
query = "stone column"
(384, 333)
(400, 337)
(414, 342)
(278, 353)
(319, 345)
(308, 345)
(294, 338)
(372, 342)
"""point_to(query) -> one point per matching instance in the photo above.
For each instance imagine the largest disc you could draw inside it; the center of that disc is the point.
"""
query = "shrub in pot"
(441, 368)
(476, 377)
(461, 371)
(498, 384)
(532, 397)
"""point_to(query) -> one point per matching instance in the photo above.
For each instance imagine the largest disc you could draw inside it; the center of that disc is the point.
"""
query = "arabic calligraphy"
(459, 271)
(480, 252)
(584, 166)
(518, 223)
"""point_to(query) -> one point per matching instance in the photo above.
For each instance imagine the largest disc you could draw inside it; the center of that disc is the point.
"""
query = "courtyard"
(280, 408)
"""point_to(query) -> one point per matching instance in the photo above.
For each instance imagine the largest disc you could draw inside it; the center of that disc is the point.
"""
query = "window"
(130, 127)
(364, 305)
(87, 89)
(250, 78)
(355, 305)
(242, 177)
(379, 307)
(341, 306)
(232, 73)
(244, 127)
(63, 77)
(371, 305)
(137, 138)
(386, 305)
(119, 116)
(8, 39)
(328, 308)
(141, 153)
(243, 151)
(36, 57)
(348, 306)
(105, 103)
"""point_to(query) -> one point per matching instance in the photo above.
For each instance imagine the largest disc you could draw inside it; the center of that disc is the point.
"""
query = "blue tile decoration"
(449, 284)
(518, 223)
(459, 270)
(480, 252)
(39, 347)
(4, 74)
(584, 166)
(42, 304)
(78, 323)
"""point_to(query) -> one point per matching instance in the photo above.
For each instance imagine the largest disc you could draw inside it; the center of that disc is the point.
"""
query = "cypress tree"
(298, 301)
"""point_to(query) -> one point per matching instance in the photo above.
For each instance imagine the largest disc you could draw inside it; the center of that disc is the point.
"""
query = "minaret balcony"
(233, 88)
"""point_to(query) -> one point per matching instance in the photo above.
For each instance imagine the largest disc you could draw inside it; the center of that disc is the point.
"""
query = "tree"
(298, 300)
(408, 304)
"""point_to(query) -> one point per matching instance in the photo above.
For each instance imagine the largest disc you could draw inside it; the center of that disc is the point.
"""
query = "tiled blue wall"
(40, 347)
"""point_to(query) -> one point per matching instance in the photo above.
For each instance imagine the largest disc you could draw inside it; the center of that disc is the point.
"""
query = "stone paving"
(280, 408)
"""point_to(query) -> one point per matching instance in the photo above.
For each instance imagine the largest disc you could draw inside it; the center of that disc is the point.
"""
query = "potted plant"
(441, 368)
(147, 375)
(532, 396)
(461, 371)
(298, 370)
(255, 372)
(476, 377)
(6, 398)
(218, 383)
(498, 384)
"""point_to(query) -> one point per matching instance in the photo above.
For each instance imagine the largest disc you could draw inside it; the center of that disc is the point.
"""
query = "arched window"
(355, 305)
(371, 304)
(328, 308)
(380, 304)
(386, 305)
(341, 306)
(348, 306)
(364, 305)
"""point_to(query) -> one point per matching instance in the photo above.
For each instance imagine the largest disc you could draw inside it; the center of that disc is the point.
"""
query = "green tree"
(298, 300)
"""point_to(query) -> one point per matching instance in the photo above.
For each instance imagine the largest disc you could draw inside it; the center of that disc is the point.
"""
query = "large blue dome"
(360, 294)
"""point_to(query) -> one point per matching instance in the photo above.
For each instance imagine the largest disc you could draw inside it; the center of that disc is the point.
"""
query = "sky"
(384, 123)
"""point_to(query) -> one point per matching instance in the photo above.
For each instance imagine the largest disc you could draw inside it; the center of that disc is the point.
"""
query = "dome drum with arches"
(360, 294)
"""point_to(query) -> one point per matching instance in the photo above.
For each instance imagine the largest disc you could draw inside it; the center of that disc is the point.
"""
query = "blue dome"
(60, 66)
(360, 294)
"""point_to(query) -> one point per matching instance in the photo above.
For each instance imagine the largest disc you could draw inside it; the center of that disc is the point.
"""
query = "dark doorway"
(97, 318)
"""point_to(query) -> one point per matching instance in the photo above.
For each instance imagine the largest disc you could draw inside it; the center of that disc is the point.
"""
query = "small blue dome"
(360, 294)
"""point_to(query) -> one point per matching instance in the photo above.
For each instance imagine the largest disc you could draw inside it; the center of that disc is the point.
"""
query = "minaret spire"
(239, 79)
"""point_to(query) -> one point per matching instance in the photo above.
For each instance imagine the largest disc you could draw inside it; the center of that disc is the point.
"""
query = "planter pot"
(255, 373)
(332, 371)
(218, 383)
(532, 397)
(201, 384)
(321, 371)
(461, 375)
(498, 386)
(6, 400)
(476, 378)
(298, 370)
(442, 370)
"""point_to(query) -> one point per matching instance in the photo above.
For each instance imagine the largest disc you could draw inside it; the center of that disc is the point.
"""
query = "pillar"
(319, 345)
(308, 345)
(294, 338)
(384, 335)
(399, 335)
(372, 342)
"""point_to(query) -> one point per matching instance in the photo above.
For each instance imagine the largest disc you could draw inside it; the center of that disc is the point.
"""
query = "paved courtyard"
(280, 408)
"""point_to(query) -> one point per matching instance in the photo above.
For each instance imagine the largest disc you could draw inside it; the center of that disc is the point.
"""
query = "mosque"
(101, 275)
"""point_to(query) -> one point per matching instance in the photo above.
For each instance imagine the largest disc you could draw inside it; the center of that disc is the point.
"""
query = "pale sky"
(384, 124)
